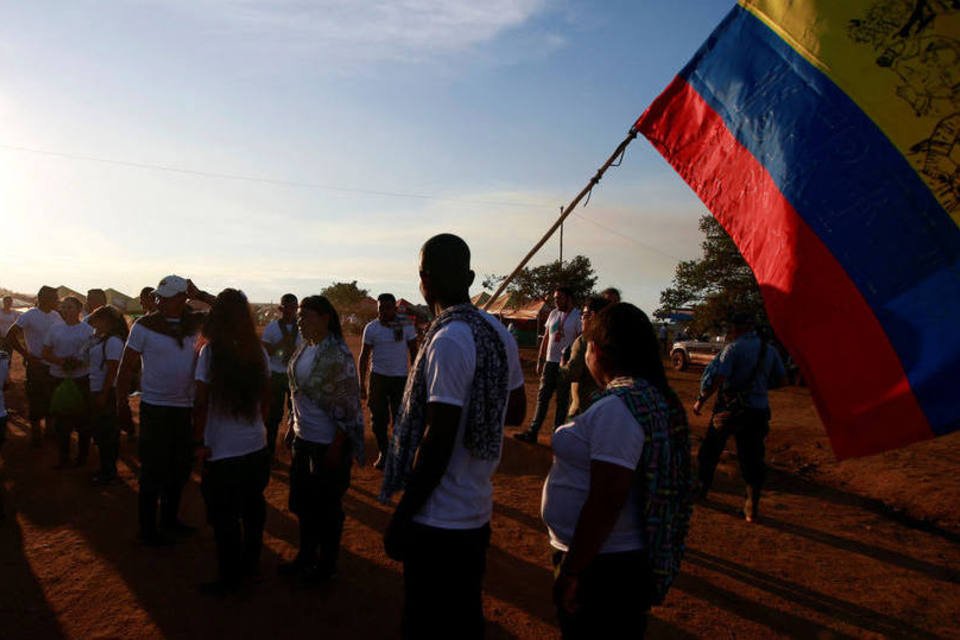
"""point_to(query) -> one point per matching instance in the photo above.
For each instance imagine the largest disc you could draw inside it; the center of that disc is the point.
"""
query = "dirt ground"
(863, 548)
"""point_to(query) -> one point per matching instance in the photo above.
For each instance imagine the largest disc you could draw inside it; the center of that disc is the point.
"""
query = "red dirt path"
(864, 548)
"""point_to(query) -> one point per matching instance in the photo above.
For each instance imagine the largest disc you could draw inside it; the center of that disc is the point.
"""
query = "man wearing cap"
(32, 327)
(389, 341)
(164, 343)
(743, 373)
(280, 339)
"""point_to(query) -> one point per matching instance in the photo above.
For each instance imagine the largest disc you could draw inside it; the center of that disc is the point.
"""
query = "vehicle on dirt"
(701, 351)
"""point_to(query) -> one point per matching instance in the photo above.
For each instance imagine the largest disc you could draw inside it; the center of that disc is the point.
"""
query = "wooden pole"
(563, 216)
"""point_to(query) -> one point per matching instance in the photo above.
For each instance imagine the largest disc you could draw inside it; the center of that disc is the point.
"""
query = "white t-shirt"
(310, 422)
(390, 346)
(272, 336)
(69, 341)
(7, 319)
(112, 348)
(562, 328)
(606, 432)
(35, 325)
(464, 497)
(166, 377)
(4, 372)
(226, 435)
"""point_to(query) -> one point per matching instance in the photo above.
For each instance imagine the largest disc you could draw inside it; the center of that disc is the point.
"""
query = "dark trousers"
(65, 425)
(236, 509)
(106, 433)
(551, 382)
(750, 430)
(279, 400)
(316, 497)
(39, 389)
(166, 455)
(386, 393)
(443, 582)
(614, 593)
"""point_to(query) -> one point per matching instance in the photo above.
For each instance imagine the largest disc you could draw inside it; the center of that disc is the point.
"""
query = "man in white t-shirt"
(280, 338)
(441, 528)
(66, 347)
(7, 315)
(563, 327)
(390, 341)
(164, 343)
(32, 328)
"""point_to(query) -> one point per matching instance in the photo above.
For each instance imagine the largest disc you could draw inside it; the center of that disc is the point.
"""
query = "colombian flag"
(825, 137)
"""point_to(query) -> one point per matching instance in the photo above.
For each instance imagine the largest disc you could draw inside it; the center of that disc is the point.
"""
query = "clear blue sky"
(396, 120)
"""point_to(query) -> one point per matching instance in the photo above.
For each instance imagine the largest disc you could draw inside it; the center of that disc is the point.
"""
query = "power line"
(625, 236)
(259, 179)
(310, 185)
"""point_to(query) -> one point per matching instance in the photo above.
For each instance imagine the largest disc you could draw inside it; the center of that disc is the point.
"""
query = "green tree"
(715, 285)
(344, 295)
(537, 283)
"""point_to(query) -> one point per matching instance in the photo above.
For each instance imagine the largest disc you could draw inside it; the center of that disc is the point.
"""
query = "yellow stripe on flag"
(899, 60)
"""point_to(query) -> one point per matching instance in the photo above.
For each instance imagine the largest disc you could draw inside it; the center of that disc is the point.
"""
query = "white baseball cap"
(171, 286)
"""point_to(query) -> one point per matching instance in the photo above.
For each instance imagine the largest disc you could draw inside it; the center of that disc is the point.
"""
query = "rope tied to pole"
(615, 159)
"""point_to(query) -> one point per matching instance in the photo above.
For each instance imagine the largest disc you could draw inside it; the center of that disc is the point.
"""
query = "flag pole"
(621, 149)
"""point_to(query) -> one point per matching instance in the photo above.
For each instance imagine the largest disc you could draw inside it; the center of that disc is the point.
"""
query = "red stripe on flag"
(858, 383)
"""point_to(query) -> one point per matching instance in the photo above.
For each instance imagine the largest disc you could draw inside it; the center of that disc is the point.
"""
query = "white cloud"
(366, 30)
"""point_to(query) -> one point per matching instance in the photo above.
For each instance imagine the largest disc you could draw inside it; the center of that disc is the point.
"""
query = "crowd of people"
(616, 502)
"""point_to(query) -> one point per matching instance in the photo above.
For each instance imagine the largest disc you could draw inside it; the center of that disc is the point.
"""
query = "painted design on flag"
(927, 65)
(823, 137)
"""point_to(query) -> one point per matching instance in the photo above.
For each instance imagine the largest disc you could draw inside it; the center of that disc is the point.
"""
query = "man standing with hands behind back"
(563, 327)
(389, 341)
(466, 383)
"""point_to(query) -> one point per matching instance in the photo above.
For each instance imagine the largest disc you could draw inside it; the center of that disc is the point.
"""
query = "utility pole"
(561, 236)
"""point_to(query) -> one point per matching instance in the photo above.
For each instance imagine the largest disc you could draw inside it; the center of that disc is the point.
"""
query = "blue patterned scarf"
(483, 435)
(663, 479)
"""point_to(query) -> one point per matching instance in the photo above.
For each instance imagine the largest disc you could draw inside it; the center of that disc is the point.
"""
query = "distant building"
(65, 292)
(122, 301)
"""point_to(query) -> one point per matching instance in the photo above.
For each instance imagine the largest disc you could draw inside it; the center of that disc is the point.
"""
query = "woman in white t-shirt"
(618, 467)
(104, 358)
(230, 405)
(327, 432)
(66, 348)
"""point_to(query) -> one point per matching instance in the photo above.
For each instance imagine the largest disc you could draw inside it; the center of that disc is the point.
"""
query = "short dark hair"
(611, 291)
(288, 298)
(387, 297)
(45, 290)
(146, 291)
(564, 289)
(742, 319)
(446, 259)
